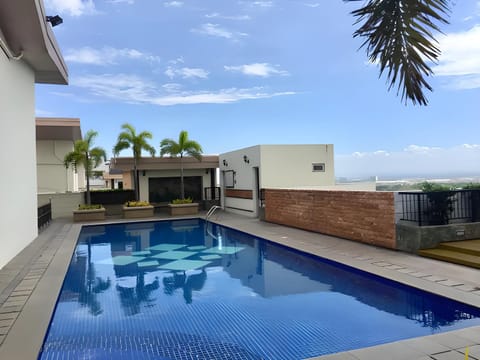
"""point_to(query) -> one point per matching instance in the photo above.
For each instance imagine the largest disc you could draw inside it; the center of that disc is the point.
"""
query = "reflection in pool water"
(176, 290)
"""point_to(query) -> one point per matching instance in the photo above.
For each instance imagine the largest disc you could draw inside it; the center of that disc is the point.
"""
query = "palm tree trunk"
(182, 186)
(135, 178)
(87, 174)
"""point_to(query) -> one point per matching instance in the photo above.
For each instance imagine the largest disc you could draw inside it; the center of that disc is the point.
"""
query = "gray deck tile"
(450, 282)
(393, 351)
(473, 351)
(426, 345)
(382, 263)
(9, 309)
(435, 278)
(7, 316)
(453, 341)
(419, 274)
(449, 355)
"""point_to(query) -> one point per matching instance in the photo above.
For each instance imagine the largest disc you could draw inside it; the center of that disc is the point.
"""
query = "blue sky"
(239, 73)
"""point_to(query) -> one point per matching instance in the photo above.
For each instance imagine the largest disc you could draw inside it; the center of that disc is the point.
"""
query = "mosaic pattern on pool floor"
(160, 293)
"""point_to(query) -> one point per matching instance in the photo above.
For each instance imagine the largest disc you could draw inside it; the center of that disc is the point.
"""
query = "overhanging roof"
(165, 163)
(58, 129)
(24, 28)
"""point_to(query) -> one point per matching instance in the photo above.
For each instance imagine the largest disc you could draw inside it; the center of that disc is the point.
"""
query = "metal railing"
(440, 207)
(44, 215)
(212, 193)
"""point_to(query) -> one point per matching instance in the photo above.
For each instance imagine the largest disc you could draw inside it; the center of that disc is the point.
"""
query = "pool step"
(459, 252)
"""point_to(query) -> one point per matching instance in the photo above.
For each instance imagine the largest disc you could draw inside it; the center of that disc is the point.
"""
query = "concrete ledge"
(89, 215)
(183, 209)
(135, 212)
(411, 237)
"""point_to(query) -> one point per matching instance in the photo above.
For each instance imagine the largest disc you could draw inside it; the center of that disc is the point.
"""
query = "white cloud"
(186, 73)
(40, 112)
(420, 149)
(460, 58)
(72, 7)
(106, 55)
(217, 31)
(414, 160)
(173, 4)
(312, 5)
(121, 1)
(257, 69)
(227, 17)
(133, 89)
(263, 4)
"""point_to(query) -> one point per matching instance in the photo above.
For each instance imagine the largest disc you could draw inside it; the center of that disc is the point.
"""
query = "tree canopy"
(399, 38)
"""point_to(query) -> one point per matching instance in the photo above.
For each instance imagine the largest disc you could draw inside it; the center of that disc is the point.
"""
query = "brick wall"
(363, 216)
(240, 194)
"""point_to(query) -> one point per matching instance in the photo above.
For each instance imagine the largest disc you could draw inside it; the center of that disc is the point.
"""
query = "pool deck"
(30, 284)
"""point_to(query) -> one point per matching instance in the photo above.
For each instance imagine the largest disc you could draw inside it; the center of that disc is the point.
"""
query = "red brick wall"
(363, 216)
(241, 194)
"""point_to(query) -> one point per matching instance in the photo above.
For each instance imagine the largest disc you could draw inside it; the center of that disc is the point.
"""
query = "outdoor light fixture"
(246, 159)
(54, 20)
(225, 163)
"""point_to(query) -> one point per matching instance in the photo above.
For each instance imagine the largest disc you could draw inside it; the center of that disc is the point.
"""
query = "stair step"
(452, 256)
(471, 247)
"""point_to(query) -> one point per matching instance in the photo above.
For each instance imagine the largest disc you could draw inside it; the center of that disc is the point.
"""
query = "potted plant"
(183, 207)
(87, 212)
(137, 209)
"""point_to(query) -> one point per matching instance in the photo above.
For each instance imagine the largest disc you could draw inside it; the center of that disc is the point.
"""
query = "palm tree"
(184, 146)
(138, 142)
(399, 38)
(83, 154)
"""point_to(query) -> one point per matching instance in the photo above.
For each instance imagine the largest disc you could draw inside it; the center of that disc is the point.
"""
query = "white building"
(29, 54)
(56, 138)
(244, 172)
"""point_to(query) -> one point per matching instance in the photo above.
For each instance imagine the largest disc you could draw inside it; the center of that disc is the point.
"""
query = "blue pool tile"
(139, 253)
(126, 260)
(147, 263)
(166, 247)
(184, 265)
(174, 255)
(210, 257)
(196, 248)
(226, 250)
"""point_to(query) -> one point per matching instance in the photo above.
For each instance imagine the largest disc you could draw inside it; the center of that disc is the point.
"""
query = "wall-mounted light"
(225, 163)
(246, 159)
(54, 20)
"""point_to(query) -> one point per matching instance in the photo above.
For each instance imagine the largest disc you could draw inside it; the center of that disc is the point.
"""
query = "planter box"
(183, 209)
(137, 212)
(88, 215)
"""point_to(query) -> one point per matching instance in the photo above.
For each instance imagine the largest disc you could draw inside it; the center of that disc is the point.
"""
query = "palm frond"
(399, 38)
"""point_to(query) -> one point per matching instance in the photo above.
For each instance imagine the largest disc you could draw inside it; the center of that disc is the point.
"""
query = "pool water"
(184, 290)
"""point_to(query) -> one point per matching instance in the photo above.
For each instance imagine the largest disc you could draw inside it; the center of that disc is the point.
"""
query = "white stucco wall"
(52, 176)
(244, 178)
(18, 185)
(287, 166)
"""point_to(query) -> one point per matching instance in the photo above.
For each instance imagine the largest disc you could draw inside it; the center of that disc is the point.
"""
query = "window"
(229, 178)
(318, 167)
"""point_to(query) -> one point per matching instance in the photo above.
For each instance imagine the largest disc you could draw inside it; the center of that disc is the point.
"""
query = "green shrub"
(90, 207)
(429, 187)
(182, 201)
(137, 203)
(472, 186)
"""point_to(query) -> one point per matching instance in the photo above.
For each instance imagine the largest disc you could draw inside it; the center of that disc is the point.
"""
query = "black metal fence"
(212, 193)
(44, 215)
(441, 207)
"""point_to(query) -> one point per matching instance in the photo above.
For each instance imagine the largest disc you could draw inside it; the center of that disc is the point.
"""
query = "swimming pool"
(178, 290)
